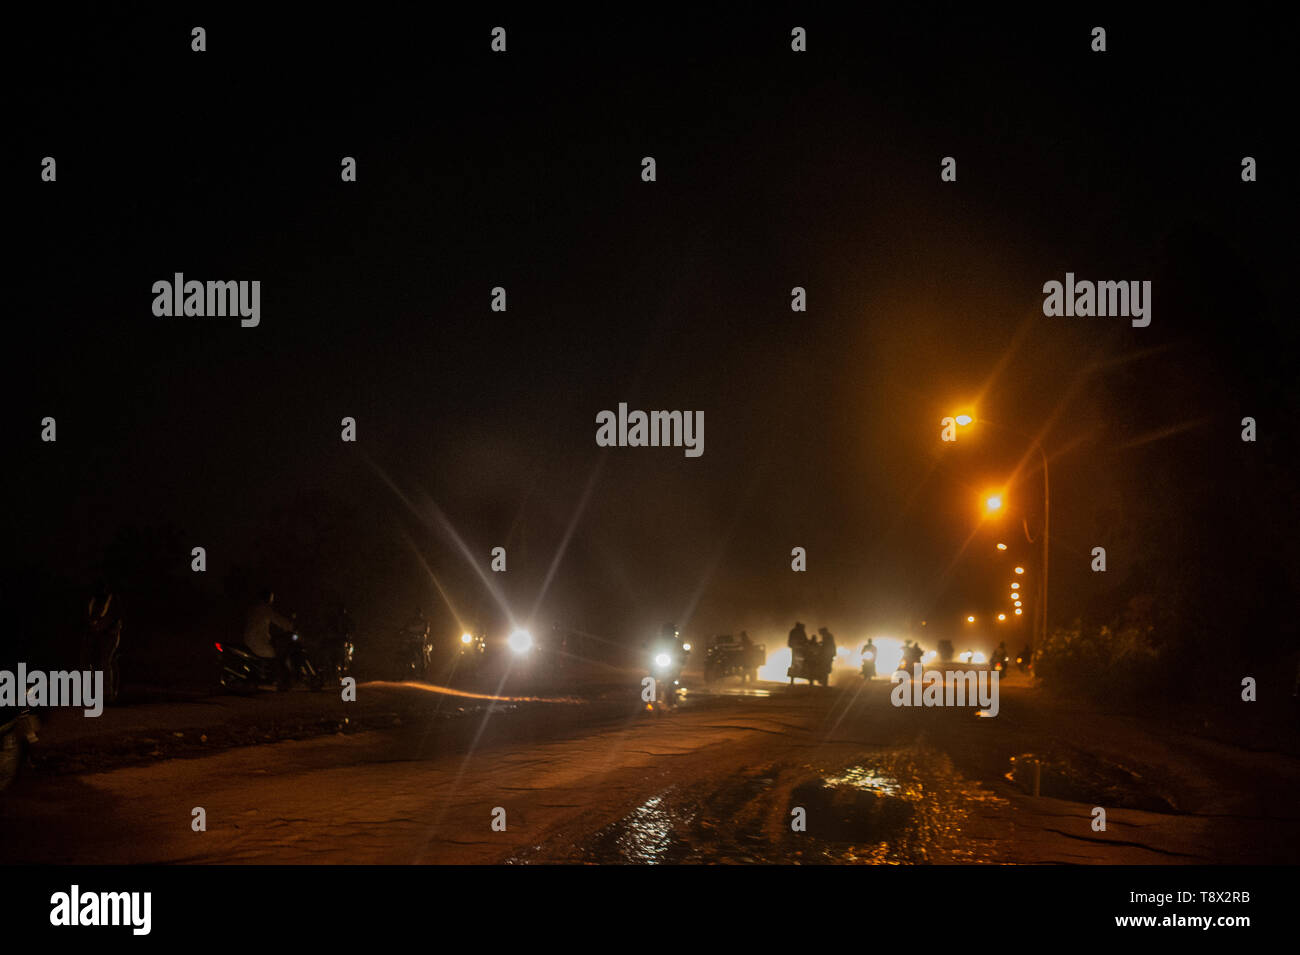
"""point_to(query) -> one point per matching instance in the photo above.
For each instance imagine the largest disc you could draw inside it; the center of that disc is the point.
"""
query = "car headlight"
(521, 641)
(663, 660)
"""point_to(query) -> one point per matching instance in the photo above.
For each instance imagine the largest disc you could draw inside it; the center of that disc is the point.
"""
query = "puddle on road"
(899, 808)
(1087, 778)
(645, 836)
(750, 691)
(863, 777)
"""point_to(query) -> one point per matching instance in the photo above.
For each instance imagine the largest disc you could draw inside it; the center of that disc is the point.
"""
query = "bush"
(1119, 658)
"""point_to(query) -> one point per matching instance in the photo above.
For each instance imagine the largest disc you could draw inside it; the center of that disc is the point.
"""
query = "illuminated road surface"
(714, 780)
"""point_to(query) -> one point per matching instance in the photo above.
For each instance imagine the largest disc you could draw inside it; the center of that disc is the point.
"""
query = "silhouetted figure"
(868, 659)
(102, 638)
(264, 626)
(828, 644)
(798, 644)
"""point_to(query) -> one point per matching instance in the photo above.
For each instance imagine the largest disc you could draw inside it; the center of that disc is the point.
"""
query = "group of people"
(810, 658)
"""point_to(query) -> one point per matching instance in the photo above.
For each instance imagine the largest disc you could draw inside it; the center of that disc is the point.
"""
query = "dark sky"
(775, 169)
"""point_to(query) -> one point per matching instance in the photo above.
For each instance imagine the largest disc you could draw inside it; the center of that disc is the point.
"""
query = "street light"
(965, 420)
(1015, 586)
(1002, 616)
(994, 503)
(1020, 570)
(970, 619)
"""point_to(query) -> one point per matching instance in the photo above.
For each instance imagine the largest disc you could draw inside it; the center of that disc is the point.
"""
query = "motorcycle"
(336, 659)
(667, 661)
(869, 665)
(998, 662)
(416, 655)
(18, 729)
(244, 671)
(471, 651)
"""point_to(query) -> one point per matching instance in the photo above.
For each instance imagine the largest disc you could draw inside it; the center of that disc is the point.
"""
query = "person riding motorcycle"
(668, 659)
(1000, 658)
(417, 650)
(263, 627)
(868, 659)
(338, 642)
(912, 654)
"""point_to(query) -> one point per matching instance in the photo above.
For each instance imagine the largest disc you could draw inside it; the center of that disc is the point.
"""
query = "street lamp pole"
(1047, 526)
(1041, 608)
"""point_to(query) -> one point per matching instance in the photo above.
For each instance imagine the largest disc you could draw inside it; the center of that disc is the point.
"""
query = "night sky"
(774, 170)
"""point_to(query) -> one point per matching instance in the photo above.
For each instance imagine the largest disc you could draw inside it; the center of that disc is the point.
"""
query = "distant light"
(1016, 604)
(964, 419)
(1015, 586)
(994, 503)
(1002, 616)
(1019, 611)
(686, 647)
(1020, 570)
(970, 619)
(521, 641)
(1002, 547)
(663, 660)
(466, 638)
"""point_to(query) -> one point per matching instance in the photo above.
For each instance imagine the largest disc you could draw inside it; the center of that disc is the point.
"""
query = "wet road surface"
(768, 775)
